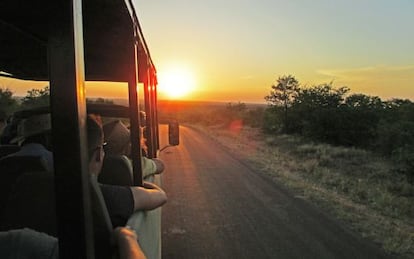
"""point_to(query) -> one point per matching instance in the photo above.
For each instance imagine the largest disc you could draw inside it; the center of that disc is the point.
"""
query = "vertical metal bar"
(148, 123)
(68, 110)
(134, 115)
(155, 112)
(152, 123)
(154, 120)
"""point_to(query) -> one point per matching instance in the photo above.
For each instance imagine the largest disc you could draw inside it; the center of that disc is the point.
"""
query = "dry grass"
(353, 185)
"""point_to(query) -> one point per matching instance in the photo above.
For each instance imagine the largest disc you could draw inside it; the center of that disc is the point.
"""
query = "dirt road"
(220, 208)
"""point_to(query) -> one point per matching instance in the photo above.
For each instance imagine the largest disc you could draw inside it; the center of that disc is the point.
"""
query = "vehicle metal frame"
(67, 43)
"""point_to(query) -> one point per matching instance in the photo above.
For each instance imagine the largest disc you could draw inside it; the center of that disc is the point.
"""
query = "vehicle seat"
(116, 170)
(8, 149)
(12, 167)
(19, 164)
(32, 204)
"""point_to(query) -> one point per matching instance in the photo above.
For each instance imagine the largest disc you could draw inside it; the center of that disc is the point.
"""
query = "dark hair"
(95, 133)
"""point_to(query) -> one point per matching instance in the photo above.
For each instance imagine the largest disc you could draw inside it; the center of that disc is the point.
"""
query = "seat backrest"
(8, 149)
(12, 167)
(16, 164)
(31, 204)
(116, 170)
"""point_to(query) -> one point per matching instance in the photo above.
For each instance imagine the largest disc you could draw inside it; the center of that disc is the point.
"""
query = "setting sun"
(175, 82)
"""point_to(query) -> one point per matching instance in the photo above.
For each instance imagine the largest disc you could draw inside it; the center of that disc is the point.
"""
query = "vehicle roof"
(108, 28)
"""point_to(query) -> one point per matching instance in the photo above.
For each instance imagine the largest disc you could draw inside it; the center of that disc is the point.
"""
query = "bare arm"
(127, 242)
(151, 166)
(148, 197)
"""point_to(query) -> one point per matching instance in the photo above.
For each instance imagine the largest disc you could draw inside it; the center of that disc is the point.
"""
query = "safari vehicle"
(67, 43)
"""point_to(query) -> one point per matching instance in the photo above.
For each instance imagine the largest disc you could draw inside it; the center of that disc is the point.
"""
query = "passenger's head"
(35, 129)
(142, 118)
(3, 118)
(95, 143)
(118, 137)
(142, 132)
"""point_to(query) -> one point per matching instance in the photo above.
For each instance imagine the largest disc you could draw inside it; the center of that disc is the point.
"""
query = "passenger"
(34, 135)
(3, 119)
(9, 131)
(117, 136)
(159, 164)
(121, 201)
(28, 243)
(127, 242)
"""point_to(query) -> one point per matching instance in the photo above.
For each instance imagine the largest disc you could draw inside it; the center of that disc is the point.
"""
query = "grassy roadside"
(353, 185)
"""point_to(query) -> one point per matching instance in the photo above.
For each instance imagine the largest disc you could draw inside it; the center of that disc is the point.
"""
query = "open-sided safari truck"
(67, 43)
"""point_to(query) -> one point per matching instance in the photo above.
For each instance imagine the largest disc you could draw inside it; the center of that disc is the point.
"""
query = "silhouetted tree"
(283, 94)
(7, 103)
(364, 101)
(36, 97)
(313, 112)
(321, 96)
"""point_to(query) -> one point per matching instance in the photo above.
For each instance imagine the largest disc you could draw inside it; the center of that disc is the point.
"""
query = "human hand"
(125, 232)
(127, 242)
(149, 185)
(159, 165)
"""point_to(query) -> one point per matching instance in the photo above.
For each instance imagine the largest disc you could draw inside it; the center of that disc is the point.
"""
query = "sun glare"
(176, 82)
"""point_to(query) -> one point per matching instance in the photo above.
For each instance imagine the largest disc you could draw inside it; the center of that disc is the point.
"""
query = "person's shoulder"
(29, 242)
(34, 146)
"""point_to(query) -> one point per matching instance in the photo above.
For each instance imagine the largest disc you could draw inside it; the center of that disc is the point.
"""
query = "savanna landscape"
(265, 166)
(350, 154)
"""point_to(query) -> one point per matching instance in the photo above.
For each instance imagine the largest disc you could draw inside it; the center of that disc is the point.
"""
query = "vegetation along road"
(220, 208)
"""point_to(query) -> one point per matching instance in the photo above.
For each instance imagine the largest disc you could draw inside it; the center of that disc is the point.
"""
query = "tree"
(7, 102)
(361, 101)
(322, 96)
(283, 94)
(316, 113)
(36, 97)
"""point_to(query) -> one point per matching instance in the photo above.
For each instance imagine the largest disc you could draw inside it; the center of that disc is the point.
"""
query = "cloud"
(373, 73)
(385, 81)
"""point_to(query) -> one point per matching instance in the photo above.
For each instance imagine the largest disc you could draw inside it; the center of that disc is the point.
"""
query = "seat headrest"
(20, 164)
(8, 149)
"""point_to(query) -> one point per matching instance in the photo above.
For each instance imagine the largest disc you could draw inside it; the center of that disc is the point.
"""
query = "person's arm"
(148, 197)
(151, 166)
(127, 243)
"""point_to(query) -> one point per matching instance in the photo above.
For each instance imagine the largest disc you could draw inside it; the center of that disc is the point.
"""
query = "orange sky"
(235, 50)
